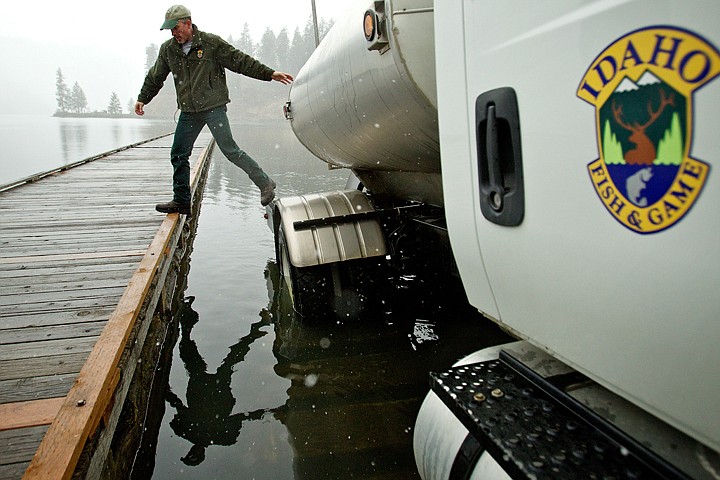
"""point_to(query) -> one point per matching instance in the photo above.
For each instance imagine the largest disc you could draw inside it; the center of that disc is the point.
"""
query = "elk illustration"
(644, 152)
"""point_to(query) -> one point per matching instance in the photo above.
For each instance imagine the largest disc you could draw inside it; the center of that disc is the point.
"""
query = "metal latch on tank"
(287, 111)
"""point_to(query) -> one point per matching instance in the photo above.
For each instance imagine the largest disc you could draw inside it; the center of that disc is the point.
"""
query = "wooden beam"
(73, 256)
(29, 414)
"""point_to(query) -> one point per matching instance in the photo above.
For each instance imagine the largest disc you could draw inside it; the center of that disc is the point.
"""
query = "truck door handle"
(502, 194)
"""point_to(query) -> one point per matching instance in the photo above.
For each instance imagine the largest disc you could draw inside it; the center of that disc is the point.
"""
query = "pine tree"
(670, 146)
(267, 52)
(282, 49)
(612, 150)
(296, 55)
(151, 53)
(324, 27)
(61, 92)
(78, 100)
(245, 44)
(309, 38)
(114, 108)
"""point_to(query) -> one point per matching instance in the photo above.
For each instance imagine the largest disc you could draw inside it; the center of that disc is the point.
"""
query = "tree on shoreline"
(78, 101)
(62, 92)
(69, 101)
(114, 108)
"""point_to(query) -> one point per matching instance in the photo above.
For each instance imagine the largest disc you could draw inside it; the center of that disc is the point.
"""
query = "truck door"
(612, 261)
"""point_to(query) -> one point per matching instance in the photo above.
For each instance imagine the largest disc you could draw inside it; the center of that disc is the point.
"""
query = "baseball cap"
(174, 13)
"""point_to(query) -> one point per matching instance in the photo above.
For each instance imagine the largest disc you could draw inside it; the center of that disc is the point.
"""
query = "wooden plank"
(39, 319)
(51, 298)
(16, 450)
(42, 366)
(61, 447)
(46, 282)
(39, 268)
(35, 388)
(60, 284)
(54, 258)
(29, 414)
(76, 305)
(13, 471)
(47, 348)
(59, 277)
(53, 332)
(109, 218)
(70, 237)
(90, 196)
(84, 247)
(78, 240)
(42, 231)
(128, 228)
(72, 220)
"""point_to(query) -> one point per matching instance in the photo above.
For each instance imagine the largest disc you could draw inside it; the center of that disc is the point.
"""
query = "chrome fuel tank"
(366, 99)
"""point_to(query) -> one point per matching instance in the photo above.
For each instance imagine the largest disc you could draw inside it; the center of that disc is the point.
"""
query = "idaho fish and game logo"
(642, 88)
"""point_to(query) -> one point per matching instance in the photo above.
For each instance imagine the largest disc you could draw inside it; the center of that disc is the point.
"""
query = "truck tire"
(310, 288)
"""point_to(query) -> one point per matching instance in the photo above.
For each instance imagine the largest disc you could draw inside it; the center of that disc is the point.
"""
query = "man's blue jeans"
(186, 132)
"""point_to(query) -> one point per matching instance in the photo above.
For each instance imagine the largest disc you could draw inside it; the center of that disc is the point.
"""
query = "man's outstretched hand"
(284, 78)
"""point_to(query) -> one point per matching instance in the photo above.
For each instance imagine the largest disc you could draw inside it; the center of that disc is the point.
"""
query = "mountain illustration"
(626, 85)
(648, 78)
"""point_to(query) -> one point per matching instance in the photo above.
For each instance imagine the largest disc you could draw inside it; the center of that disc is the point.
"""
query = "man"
(198, 61)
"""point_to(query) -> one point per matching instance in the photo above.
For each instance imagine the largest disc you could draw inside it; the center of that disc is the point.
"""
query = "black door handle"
(502, 194)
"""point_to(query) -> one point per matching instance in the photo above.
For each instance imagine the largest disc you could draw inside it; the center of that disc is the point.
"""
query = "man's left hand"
(284, 78)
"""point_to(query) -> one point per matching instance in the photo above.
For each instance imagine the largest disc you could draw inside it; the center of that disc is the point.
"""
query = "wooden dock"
(86, 264)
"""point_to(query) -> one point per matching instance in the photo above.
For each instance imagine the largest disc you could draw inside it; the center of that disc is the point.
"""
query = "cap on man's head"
(174, 13)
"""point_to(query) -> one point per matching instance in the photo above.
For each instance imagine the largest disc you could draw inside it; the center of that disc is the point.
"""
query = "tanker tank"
(366, 99)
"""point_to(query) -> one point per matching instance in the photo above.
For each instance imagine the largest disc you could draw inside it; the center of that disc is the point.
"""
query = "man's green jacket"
(200, 75)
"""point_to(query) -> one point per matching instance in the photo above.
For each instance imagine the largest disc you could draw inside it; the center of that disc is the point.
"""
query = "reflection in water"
(207, 419)
(73, 137)
(116, 134)
(357, 385)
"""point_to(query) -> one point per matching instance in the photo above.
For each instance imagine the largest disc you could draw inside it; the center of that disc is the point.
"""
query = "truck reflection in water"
(357, 384)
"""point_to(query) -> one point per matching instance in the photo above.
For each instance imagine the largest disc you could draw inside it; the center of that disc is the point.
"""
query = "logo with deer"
(642, 88)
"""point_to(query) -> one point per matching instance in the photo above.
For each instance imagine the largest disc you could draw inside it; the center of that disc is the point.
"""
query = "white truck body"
(637, 311)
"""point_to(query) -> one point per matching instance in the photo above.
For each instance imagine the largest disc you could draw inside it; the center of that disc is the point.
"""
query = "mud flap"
(330, 227)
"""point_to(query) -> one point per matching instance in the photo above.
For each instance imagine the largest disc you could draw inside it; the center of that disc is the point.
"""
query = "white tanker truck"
(566, 152)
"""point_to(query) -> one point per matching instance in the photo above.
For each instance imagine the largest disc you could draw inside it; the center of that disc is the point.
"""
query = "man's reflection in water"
(208, 419)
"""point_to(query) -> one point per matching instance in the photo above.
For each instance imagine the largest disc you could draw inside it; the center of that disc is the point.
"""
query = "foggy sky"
(102, 45)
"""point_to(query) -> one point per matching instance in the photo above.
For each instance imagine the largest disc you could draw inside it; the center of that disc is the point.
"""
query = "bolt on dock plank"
(85, 265)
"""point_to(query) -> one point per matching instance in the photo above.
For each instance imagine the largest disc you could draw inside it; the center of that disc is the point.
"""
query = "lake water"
(252, 392)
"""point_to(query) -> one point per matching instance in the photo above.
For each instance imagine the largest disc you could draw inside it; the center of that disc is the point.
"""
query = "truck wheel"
(310, 288)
